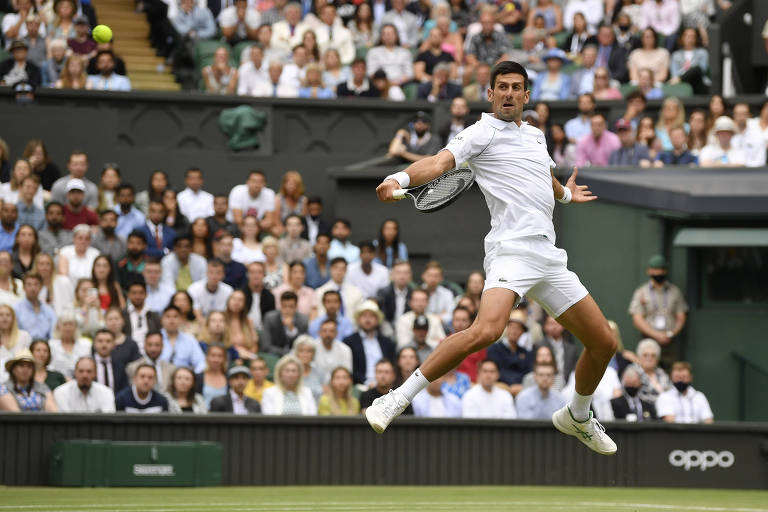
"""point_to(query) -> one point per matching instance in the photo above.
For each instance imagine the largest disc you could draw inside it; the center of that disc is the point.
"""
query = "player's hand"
(386, 189)
(581, 193)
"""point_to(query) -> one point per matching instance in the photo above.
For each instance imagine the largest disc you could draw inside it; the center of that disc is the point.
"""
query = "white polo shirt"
(206, 301)
(512, 169)
(240, 199)
(692, 407)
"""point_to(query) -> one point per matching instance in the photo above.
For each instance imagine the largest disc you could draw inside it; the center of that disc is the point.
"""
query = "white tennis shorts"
(534, 267)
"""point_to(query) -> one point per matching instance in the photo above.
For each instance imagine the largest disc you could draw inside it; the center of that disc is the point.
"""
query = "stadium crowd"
(390, 49)
(186, 302)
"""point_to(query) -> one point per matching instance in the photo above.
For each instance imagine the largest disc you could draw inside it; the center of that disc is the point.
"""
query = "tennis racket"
(440, 192)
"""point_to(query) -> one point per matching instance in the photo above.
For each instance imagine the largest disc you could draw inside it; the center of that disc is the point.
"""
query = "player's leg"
(492, 317)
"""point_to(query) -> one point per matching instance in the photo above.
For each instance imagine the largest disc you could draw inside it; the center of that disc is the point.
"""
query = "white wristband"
(567, 196)
(401, 177)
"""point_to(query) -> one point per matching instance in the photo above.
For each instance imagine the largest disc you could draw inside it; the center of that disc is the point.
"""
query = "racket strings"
(443, 189)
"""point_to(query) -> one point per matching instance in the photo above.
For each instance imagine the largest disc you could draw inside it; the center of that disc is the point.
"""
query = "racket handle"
(399, 193)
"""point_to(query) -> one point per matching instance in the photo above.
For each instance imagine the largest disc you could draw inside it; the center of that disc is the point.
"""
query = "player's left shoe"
(385, 409)
(589, 432)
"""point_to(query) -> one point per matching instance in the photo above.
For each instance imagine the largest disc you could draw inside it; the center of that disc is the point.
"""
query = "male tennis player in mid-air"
(514, 172)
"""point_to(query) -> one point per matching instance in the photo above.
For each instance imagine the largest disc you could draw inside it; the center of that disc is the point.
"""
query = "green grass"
(374, 499)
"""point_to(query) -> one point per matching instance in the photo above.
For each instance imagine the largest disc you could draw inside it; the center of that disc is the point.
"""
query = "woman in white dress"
(76, 260)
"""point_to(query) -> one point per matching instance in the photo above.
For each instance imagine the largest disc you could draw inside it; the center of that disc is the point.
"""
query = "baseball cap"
(657, 261)
(237, 370)
(75, 184)
(18, 44)
(724, 124)
(421, 322)
(623, 124)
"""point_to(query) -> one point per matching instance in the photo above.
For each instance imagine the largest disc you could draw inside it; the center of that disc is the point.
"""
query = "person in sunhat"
(367, 344)
(29, 394)
(553, 84)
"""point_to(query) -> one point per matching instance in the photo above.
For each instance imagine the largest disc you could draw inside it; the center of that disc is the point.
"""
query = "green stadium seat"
(238, 51)
(271, 361)
(4, 54)
(361, 52)
(625, 89)
(410, 90)
(561, 37)
(516, 40)
(679, 90)
(570, 68)
(204, 51)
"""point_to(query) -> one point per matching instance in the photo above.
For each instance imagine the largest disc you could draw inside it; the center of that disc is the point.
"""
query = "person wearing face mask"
(682, 403)
(659, 310)
(629, 406)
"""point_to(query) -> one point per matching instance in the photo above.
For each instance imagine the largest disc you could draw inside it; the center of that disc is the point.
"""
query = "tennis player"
(514, 172)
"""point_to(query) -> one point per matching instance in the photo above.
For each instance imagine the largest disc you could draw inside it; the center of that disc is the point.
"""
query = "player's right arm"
(420, 172)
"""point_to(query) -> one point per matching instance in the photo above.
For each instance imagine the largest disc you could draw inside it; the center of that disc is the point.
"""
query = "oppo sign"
(701, 459)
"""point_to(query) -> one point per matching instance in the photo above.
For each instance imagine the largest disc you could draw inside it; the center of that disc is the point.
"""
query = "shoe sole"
(568, 433)
(375, 425)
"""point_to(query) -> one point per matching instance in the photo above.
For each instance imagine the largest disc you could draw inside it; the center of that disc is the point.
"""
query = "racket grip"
(399, 193)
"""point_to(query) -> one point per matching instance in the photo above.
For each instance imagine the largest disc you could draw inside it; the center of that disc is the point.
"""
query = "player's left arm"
(579, 193)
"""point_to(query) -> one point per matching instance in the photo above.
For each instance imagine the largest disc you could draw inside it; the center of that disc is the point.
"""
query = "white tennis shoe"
(385, 409)
(589, 432)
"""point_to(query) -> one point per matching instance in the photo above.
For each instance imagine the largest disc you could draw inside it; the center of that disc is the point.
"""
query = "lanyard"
(653, 298)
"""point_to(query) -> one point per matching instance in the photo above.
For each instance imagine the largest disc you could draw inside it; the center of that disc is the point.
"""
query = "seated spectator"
(649, 56)
(663, 16)
(630, 152)
(331, 353)
(722, 153)
(219, 77)
(690, 63)
(289, 395)
(83, 394)
(318, 267)
(140, 397)
(646, 135)
(9, 192)
(67, 346)
(131, 267)
(307, 300)
(530, 55)
(153, 349)
(602, 87)
(75, 210)
(107, 79)
(239, 23)
(385, 89)
(543, 355)
(312, 377)
(92, 68)
(25, 249)
(459, 121)
(39, 160)
(337, 400)
(574, 43)
(540, 401)
(12, 339)
(139, 316)
(126, 349)
(106, 240)
(331, 302)
(368, 344)
(180, 348)
(82, 44)
(129, 218)
(334, 74)
(366, 274)
(629, 406)
(242, 334)
(357, 84)
(259, 300)
(552, 14)
(351, 296)
(275, 269)
(654, 380)
(253, 73)
(34, 317)
(41, 352)
(683, 404)
(610, 54)
(561, 343)
(418, 306)
(580, 126)
(87, 307)
(286, 32)
(181, 394)
(11, 289)
(514, 361)
(361, 26)
(293, 247)
(193, 21)
(478, 89)
(552, 84)
(189, 323)
(211, 293)
(563, 152)
(104, 281)
(672, 115)
(341, 247)
(294, 72)
(258, 382)
(234, 271)
(109, 371)
(281, 328)
(439, 88)
(9, 225)
(416, 144)
(595, 149)
(253, 198)
(194, 202)
(488, 46)
(391, 56)
(592, 9)
(29, 394)
(18, 68)
(384, 380)
(679, 154)
(14, 22)
(181, 268)
(407, 23)
(333, 35)
(419, 342)
(290, 200)
(432, 402)
(485, 399)
(236, 401)
(583, 79)
(759, 123)
(747, 138)
(428, 59)
(73, 74)
(36, 42)
(441, 299)
(158, 184)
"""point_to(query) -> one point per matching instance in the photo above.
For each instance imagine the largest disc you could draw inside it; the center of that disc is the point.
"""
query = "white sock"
(413, 385)
(579, 406)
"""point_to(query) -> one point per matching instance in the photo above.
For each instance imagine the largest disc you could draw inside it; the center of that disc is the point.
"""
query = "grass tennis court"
(349, 499)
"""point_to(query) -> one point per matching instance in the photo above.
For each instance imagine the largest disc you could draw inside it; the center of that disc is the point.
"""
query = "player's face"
(508, 97)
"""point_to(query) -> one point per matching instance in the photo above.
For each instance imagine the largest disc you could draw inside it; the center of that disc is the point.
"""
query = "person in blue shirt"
(332, 304)
(318, 267)
(129, 217)
(33, 316)
(193, 21)
(341, 247)
(679, 154)
(180, 348)
(141, 397)
(9, 215)
(540, 402)
(513, 360)
(107, 79)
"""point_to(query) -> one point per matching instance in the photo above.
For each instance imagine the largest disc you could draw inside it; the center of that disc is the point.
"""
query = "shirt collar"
(494, 122)
(139, 400)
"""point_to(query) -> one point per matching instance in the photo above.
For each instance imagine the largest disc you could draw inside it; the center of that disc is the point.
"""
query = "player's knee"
(486, 335)
(607, 342)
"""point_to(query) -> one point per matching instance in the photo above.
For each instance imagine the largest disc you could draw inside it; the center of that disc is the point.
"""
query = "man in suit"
(459, 120)
(439, 88)
(262, 300)
(153, 348)
(313, 222)
(629, 406)
(610, 54)
(565, 350)
(368, 345)
(109, 371)
(138, 318)
(283, 326)
(287, 33)
(394, 298)
(583, 79)
(159, 236)
(333, 34)
(235, 401)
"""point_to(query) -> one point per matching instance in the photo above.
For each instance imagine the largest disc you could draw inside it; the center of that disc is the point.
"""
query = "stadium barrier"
(264, 450)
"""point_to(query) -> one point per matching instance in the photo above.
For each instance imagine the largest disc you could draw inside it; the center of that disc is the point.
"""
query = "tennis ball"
(102, 34)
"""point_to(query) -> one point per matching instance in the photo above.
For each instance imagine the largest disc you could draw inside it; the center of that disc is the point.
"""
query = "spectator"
(293, 247)
(722, 153)
(77, 166)
(459, 121)
(552, 84)
(683, 404)
(109, 371)
(219, 77)
(406, 363)
(333, 36)
(41, 352)
(307, 300)
(489, 45)
(610, 55)
(9, 226)
(253, 73)
(289, 395)
(129, 217)
(672, 115)
(140, 398)
(312, 378)
(513, 360)
(234, 271)
(361, 27)
(592, 9)
(543, 354)
(595, 149)
(181, 268)
(416, 143)
(419, 340)
(131, 267)
(14, 23)
(236, 401)
(690, 63)
(629, 406)
(36, 42)
(334, 73)
(211, 293)
(357, 85)
(331, 303)
(180, 348)
(261, 300)
(580, 126)
(36, 154)
(439, 88)
(338, 399)
(158, 184)
(153, 349)
(654, 380)
(329, 351)
(275, 269)
(341, 247)
(427, 60)
(649, 56)
(630, 152)
(647, 85)
(194, 202)
(562, 346)
(485, 399)
(312, 219)
(679, 154)
(9, 192)
(82, 394)
(193, 22)
(106, 240)
(82, 44)
(541, 401)
(158, 293)
(478, 90)
(441, 299)
(253, 198)
(188, 323)
(458, 381)
(390, 56)
(646, 135)
(563, 153)
(583, 79)
(87, 307)
(18, 68)
(12, 339)
(61, 25)
(202, 238)
(30, 395)
(552, 14)
(92, 68)
(294, 72)
(11, 289)
(395, 297)
(531, 54)
(318, 267)
(34, 317)
(748, 139)
(73, 74)
(126, 349)
(636, 103)
(384, 87)
(418, 303)
(242, 334)
(383, 383)
(368, 344)
(286, 32)
(282, 327)
(25, 249)
(67, 346)
(181, 394)
(432, 402)
(107, 79)
(759, 123)
(578, 35)
(239, 23)
(103, 277)
(366, 274)
(258, 382)
(663, 16)
(158, 234)
(406, 22)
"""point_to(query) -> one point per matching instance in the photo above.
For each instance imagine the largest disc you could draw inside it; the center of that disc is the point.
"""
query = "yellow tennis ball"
(102, 34)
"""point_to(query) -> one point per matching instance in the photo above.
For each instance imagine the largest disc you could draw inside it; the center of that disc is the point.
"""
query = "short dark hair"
(259, 172)
(384, 360)
(420, 290)
(506, 67)
(191, 170)
(331, 292)
(124, 186)
(171, 307)
(323, 234)
(53, 203)
(137, 281)
(145, 365)
(357, 60)
(182, 238)
(102, 213)
(367, 244)
(222, 196)
(318, 199)
(103, 330)
(296, 263)
(289, 295)
(338, 259)
(494, 363)
(154, 332)
(636, 95)
(291, 216)
(138, 234)
(343, 221)
(216, 262)
(105, 52)
(32, 275)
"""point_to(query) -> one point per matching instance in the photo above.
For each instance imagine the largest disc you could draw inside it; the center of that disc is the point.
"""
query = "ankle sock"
(413, 385)
(579, 406)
